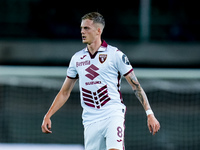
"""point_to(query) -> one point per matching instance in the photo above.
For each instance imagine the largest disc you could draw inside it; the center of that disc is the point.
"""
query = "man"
(99, 67)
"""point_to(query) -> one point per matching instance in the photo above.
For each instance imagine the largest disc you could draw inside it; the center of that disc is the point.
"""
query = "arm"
(153, 124)
(58, 102)
(138, 90)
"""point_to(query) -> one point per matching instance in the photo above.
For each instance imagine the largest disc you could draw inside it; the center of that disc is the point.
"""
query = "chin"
(84, 42)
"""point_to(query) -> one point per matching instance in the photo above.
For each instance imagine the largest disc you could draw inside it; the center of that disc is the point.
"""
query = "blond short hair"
(95, 17)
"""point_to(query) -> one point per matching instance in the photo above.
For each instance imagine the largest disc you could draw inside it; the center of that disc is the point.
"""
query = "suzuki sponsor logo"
(92, 82)
(92, 72)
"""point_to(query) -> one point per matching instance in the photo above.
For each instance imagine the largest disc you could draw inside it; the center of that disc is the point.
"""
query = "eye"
(86, 28)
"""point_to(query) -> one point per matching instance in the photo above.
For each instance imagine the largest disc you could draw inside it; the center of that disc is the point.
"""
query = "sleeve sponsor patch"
(125, 59)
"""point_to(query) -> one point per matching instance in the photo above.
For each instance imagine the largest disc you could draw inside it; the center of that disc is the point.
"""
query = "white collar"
(102, 48)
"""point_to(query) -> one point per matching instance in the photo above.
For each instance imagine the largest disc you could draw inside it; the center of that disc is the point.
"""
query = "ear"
(99, 30)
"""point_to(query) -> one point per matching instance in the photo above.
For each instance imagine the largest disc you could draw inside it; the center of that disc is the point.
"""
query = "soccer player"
(99, 68)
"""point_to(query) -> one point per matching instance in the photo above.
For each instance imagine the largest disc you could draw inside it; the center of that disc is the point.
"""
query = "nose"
(82, 31)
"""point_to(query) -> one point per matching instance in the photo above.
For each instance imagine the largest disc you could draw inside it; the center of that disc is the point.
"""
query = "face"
(89, 31)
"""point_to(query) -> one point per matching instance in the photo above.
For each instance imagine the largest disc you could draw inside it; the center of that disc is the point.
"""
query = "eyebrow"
(84, 27)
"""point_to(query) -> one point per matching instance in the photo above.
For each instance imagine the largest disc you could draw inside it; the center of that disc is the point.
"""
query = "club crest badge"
(102, 58)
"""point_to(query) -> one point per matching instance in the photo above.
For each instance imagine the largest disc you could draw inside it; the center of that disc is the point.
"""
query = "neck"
(93, 47)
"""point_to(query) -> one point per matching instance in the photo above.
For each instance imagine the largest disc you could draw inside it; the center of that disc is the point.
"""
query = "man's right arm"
(58, 102)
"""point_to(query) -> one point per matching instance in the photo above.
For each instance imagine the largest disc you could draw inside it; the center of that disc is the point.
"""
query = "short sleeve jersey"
(99, 81)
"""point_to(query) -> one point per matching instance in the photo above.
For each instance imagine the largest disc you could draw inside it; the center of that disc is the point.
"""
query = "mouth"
(83, 37)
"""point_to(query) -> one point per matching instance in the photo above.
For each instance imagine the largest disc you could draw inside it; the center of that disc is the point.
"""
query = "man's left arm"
(152, 122)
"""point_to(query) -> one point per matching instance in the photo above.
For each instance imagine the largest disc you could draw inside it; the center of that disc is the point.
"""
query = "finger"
(150, 128)
(45, 129)
(49, 129)
(154, 131)
(157, 127)
(49, 126)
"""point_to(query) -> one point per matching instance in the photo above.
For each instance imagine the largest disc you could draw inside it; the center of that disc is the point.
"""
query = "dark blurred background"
(161, 39)
(152, 33)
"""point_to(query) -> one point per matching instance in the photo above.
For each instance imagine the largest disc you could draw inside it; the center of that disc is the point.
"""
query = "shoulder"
(78, 54)
(112, 48)
(118, 55)
(115, 51)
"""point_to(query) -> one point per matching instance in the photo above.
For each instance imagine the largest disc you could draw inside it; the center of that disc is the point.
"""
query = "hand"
(46, 125)
(153, 124)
